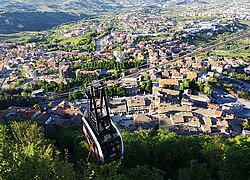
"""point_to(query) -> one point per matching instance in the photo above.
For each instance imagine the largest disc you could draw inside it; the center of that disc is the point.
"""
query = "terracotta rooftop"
(64, 67)
(87, 72)
(137, 101)
(165, 91)
(173, 82)
(141, 118)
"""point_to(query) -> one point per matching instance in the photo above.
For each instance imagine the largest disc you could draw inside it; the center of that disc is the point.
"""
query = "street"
(4, 76)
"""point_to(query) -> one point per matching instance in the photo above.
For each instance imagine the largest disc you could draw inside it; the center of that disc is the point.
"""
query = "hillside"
(12, 22)
(56, 152)
(37, 15)
(68, 5)
(90, 6)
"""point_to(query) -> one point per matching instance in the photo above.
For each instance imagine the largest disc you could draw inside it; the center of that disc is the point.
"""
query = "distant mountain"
(33, 15)
(57, 5)
(74, 5)
(83, 6)
(12, 22)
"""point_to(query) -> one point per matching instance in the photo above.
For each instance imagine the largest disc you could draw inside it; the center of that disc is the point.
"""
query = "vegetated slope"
(11, 22)
(86, 5)
(57, 152)
(36, 15)
(25, 153)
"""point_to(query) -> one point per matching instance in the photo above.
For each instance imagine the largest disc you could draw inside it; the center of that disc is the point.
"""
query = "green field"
(16, 36)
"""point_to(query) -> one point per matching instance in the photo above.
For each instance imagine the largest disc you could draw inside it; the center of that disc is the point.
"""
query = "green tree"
(143, 86)
(38, 106)
(181, 87)
(212, 80)
(120, 91)
(142, 172)
(246, 125)
(26, 154)
(50, 104)
(149, 86)
(167, 86)
(236, 161)
(195, 171)
(24, 94)
(207, 89)
(185, 83)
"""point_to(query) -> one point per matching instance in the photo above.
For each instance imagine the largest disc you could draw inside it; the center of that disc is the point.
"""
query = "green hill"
(12, 22)
(37, 15)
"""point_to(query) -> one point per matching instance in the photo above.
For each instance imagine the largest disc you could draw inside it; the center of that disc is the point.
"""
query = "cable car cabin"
(106, 147)
(103, 136)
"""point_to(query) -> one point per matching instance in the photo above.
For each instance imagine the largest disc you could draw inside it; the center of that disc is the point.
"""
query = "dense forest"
(30, 151)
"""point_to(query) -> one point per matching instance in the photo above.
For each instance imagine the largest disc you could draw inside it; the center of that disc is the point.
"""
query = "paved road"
(1, 81)
(54, 103)
(245, 102)
(4, 76)
(222, 97)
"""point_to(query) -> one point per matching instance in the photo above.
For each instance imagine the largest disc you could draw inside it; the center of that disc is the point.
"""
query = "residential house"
(176, 75)
(246, 132)
(124, 121)
(85, 74)
(168, 107)
(31, 73)
(200, 100)
(169, 82)
(197, 65)
(27, 113)
(26, 66)
(177, 118)
(167, 95)
(20, 113)
(207, 121)
(154, 76)
(191, 75)
(165, 74)
(131, 86)
(118, 106)
(52, 63)
(247, 70)
(192, 121)
(206, 76)
(64, 70)
(213, 106)
(41, 68)
(140, 56)
(203, 112)
(206, 128)
(44, 117)
(217, 68)
(164, 121)
(144, 122)
(38, 92)
(137, 105)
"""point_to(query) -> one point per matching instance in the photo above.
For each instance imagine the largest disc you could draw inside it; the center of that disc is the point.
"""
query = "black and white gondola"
(103, 136)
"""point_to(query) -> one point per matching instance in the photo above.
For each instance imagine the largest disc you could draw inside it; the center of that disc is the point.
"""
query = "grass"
(72, 41)
(156, 37)
(246, 23)
(244, 55)
(17, 37)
